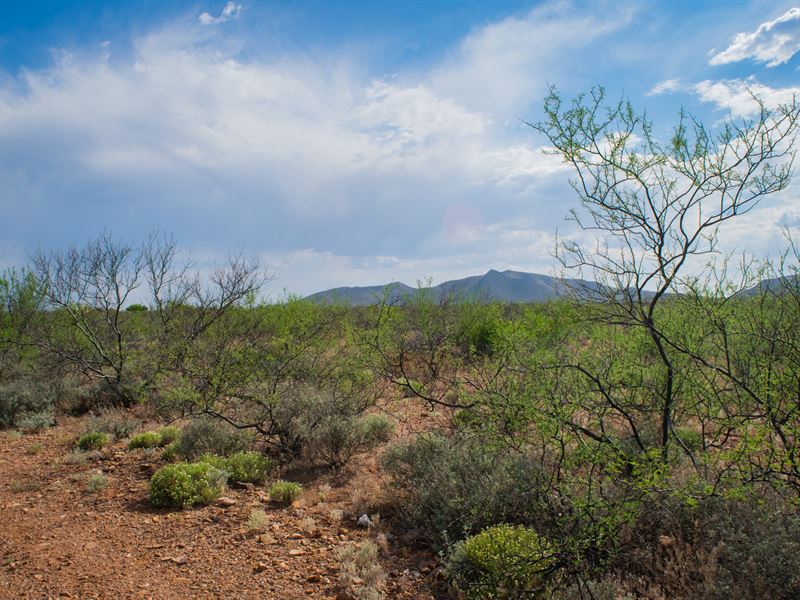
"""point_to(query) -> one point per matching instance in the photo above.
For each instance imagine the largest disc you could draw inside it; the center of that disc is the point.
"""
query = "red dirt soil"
(58, 540)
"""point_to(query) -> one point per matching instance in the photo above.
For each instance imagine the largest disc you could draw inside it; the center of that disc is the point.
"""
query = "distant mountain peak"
(494, 285)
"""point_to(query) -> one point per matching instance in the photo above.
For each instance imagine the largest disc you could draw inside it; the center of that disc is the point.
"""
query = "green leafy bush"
(503, 561)
(168, 435)
(32, 422)
(248, 467)
(96, 483)
(24, 402)
(148, 439)
(339, 438)
(717, 549)
(94, 440)
(285, 492)
(186, 484)
(449, 488)
(206, 435)
(118, 423)
(170, 453)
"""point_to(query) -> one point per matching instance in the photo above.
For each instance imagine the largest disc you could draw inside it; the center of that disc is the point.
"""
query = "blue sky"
(350, 143)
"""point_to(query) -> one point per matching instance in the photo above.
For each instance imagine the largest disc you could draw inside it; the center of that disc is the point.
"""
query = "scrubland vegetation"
(637, 438)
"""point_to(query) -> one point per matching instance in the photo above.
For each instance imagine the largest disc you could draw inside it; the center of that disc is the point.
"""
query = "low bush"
(285, 492)
(360, 573)
(206, 435)
(450, 488)
(94, 440)
(118, 423)
(96, 483)
(26, 404)
(168, 435)
(33, 422)
(248, 467)
(339, 439)
(148, 439)
(713, 550)
(34, 449)
(258, 520)
(170, 453)
(503, 561)
(186, 484)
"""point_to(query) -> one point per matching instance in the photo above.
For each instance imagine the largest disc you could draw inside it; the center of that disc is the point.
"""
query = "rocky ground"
(60, 540)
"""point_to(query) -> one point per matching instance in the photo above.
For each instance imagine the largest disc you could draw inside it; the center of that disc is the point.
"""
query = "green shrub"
(148, 439)
(96, 483)
(692, 439)
(449, 488)
(136, 308)
(206, 435)
(719, 549)
(34, 449)
(248, 467)
(339, 439)
(186, 484)
(33, 422)
(285, 492)
(503, 561)
(168, 435)
(170, 453)
(115, 422)
(24, 403)
(94, 440)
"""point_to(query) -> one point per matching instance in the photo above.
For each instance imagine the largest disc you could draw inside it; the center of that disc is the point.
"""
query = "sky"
(351, 143)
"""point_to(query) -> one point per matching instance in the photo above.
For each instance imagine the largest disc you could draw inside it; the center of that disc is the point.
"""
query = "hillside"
(505, 286)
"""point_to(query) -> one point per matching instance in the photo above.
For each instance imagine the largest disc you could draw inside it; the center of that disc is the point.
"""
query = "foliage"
(22, 398)
(96, 483)
(503, 561)
(258, 520)
(340, 437)
(168, 435)
(186, 484)
(207, 435)
(454, 487)
(33, 422)
(170, 453)
(146, 439)
(118, 423)
(248, 467)
(285, 492)
(360, 573)
(94, 440)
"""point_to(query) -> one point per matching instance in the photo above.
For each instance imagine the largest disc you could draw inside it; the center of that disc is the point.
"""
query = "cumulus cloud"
(665, 87)
(274, 154)
(230, 11)
(738, 95)
(773, 42)
(512, 60)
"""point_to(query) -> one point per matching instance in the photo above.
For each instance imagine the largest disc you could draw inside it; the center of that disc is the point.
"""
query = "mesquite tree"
(655, 207)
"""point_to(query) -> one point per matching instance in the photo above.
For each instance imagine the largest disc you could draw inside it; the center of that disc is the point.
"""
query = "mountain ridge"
(494, 285)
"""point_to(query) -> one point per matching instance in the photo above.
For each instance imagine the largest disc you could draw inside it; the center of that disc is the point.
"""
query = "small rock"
(260, 568)
(225, 501)
(364, 521)
(296, 552)
(314, 578)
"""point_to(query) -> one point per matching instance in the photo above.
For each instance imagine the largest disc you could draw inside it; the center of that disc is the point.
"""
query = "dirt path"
(58, 540)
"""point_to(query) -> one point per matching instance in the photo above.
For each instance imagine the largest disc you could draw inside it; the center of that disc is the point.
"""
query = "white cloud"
(773, 43)
(278, 153)
(499, 68)
(230, 11)
(665, 87)
(736, 95)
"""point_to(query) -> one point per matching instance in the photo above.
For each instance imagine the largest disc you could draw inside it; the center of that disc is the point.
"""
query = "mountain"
(505, 286)
(776, 285)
